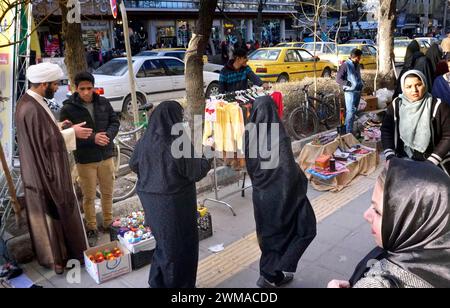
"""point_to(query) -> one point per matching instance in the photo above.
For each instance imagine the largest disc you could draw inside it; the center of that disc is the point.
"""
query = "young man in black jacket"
(94, 156)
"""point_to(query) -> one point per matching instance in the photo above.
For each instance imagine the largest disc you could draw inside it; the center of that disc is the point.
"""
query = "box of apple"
(108, 261)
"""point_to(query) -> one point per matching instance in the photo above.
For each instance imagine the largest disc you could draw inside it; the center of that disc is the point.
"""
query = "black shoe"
(287, 278)
(92, 236)
(265, 284)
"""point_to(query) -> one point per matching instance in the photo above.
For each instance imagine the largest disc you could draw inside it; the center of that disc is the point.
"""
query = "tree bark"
(195, 95)
(386, 39)
(74, 53)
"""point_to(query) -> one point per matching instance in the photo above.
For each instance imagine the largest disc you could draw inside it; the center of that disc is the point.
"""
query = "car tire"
(283, 78)
(213, 89)
(326, 73)
(127, 107)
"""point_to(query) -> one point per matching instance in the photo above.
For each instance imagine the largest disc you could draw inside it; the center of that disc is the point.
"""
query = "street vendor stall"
(331, 166)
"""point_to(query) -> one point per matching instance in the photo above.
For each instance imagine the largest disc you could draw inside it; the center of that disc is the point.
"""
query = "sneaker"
(265, 284)
(92, 236)
(288, 277)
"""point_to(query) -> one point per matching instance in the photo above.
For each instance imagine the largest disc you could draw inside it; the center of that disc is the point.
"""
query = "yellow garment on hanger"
(229, 128)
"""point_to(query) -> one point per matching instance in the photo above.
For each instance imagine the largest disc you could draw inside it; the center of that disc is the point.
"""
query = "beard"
(49, 93)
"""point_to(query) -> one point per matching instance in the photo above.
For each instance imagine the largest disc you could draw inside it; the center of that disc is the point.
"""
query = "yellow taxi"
(283, 64)
(400, 47)
(368, 59)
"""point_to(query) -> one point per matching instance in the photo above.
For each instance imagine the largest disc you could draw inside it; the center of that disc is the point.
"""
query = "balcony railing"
(243, 5)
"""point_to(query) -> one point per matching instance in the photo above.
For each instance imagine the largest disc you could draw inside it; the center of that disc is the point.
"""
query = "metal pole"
(130, 62)
(444, 23)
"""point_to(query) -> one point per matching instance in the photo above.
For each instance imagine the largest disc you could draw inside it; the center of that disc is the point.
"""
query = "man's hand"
(82, 132)
(266, 86)
(338, 284)
(101, 139)
(66, 124)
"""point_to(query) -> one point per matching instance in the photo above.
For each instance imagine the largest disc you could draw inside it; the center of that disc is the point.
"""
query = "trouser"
(351, 103)
(88, 177)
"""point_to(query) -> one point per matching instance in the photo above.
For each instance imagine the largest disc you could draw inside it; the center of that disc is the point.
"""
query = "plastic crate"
(141, 259)
(205, 229)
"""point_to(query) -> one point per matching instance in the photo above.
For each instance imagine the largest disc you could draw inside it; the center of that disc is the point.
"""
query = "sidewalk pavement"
(343, 239)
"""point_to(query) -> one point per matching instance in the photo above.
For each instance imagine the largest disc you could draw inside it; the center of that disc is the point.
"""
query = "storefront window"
(183, 33)
(166, 36)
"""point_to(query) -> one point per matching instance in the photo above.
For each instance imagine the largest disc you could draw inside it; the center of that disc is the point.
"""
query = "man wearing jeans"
(94, 156)
(349, 77)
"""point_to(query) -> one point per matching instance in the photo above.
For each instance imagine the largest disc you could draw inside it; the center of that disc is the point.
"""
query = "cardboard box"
(145, 245)
(107, 270)
(372, 102)
(323, 162)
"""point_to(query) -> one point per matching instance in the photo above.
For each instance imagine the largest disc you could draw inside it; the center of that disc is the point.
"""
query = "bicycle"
(304, 120)
(125, 179)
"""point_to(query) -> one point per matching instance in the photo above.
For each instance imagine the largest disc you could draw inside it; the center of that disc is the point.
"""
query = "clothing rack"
(250, 93)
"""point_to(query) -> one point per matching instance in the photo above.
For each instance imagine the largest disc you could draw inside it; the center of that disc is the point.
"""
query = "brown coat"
(54, 217)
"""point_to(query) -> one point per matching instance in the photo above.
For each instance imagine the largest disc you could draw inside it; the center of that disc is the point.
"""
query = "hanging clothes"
(228, 128)
(278, 100)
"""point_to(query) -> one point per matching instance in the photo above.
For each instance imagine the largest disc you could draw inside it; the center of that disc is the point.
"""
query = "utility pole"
(126, 32)
(444, 22)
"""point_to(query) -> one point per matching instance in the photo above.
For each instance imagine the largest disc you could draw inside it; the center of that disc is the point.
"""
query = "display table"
(364, 164)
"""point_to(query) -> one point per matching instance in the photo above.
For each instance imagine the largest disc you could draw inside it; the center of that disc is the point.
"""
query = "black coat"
(285, 220)
(158, 171)
(166, 188)
(106, 120)
(417, 61)
(439, 144)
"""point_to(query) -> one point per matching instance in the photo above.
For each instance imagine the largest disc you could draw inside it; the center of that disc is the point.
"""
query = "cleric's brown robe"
(54, 218)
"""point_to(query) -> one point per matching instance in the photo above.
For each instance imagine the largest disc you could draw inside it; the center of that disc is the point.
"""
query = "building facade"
(171, 22)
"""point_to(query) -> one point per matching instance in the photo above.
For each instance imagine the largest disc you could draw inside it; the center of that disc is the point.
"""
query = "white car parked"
(324, 50)
(157, 79)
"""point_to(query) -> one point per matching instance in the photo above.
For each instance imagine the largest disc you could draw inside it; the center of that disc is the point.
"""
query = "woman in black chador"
(166, 188)
(285, 220)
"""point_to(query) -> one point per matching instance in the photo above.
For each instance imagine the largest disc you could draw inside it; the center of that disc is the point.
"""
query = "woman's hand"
(338, 284)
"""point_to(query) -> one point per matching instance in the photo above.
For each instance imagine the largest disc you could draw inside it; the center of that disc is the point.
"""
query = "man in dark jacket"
(349, 78)
(235, 75)
(94, 156)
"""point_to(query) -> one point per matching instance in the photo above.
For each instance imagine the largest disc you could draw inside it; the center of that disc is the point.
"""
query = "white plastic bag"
(384, 96)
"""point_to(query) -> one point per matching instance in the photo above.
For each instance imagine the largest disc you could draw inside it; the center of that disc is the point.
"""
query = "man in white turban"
(56, 226)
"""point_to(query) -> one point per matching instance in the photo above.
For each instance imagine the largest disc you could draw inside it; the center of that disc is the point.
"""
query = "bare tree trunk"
(194, 60)
(74, 53)
(386, 42)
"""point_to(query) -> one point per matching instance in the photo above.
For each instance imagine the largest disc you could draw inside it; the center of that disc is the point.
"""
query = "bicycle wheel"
(125, 179)
(303, 122)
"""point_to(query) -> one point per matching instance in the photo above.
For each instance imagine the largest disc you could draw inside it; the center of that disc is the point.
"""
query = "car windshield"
(147, 54)
(345, 50)
(265, 54)
(283, 45)
(402, 43)
(310, 47)
(113, 68)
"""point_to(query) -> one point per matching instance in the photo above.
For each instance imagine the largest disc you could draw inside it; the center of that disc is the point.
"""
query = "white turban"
(44, 72)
